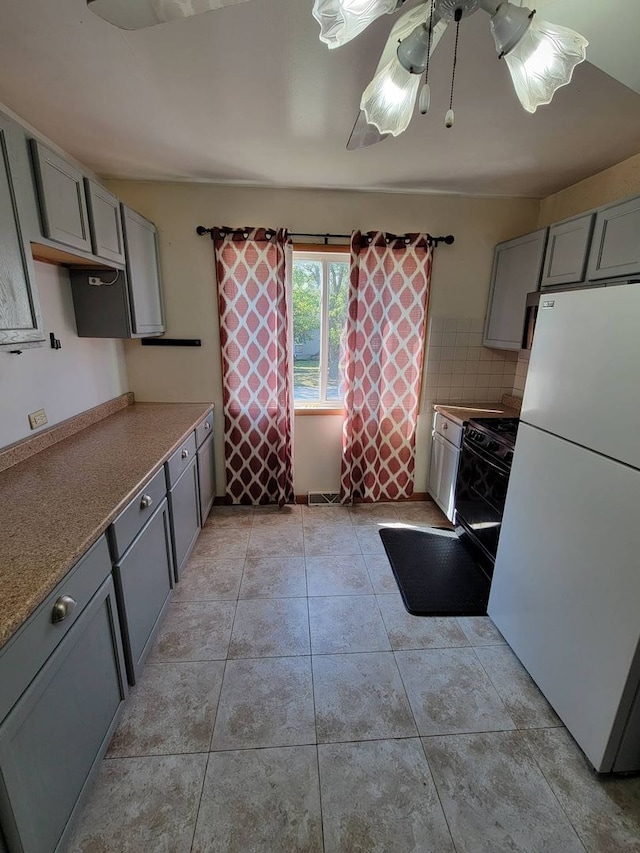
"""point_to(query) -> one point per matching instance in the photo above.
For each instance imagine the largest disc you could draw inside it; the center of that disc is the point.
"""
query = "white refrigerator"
(566, 587)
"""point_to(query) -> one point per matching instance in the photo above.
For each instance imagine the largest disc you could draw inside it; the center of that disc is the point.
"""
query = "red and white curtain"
(383, 356)
(252, 267)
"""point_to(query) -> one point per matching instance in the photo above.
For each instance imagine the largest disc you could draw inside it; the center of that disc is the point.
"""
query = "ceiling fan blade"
(363, 134)
(138, 14)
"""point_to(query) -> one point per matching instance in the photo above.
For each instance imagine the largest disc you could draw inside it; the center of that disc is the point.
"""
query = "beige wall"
(619, 181)
(84, 373)
(459, 287)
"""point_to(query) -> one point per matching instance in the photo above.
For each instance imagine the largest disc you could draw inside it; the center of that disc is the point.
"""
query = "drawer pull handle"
(207, 425)
(146, 502)
(184, 453)
(62, 608)
(445, 426)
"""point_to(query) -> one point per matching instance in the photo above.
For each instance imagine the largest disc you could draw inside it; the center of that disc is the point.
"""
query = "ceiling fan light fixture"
(389, 99)
(342, 20)
(413, 52)
(543, 61)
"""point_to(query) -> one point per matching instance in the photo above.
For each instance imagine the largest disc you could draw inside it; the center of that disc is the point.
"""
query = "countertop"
(56, 504)
(460, 414)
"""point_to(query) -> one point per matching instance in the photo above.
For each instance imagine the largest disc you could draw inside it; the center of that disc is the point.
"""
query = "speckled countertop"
(460, 414)
(54, 505)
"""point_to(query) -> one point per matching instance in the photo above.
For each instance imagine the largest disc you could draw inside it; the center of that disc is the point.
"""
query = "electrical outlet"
(38, 419)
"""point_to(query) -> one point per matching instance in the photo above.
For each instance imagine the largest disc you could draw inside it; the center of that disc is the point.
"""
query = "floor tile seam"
(215, 718)
(153, 755)
(195, 823)
(322, 832)
(491, 681)
(313, 687)
(439, 796)
(532, 755)
(253, 747)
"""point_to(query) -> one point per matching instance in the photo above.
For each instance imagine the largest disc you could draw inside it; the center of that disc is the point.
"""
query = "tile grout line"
(553, 793)
(498, 694)
(195, 823)
(437, 790)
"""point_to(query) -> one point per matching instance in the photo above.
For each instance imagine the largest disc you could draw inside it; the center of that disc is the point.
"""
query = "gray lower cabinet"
(184, 500)
(143, 273)
(20, 315)
(106, 225)
(144, 580)
(565, 260)
(206, 477)
(62, 201)
(517, 268)
(615, 249)
(53, 738)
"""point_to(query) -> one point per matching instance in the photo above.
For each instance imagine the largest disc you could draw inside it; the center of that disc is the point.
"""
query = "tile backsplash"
(460, 371)
(522, 366)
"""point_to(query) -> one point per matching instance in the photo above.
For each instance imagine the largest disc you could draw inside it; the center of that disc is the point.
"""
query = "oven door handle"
(466, 446)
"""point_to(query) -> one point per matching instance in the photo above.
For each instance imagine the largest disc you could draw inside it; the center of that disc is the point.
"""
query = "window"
(320, 296)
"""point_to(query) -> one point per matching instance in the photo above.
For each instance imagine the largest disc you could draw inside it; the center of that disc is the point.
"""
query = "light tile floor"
(292, 704)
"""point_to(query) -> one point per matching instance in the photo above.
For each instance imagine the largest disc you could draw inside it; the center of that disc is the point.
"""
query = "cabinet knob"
(146, 501)
(184, 453)
(62, 608)
(445, 425)
(207, 425)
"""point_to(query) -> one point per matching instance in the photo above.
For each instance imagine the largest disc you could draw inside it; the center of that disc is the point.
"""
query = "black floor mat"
(435, 573)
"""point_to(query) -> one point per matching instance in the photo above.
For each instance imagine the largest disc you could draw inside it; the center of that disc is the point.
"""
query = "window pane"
(307, 303)
(338, 285)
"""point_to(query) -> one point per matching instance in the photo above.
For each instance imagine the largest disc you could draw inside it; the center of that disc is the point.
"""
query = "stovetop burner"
(503, 429)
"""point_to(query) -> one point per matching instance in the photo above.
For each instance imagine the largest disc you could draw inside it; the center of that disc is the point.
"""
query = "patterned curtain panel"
(383, 354)
(256, 340)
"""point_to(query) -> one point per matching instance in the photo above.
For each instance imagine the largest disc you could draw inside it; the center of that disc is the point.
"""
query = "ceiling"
(248, 94)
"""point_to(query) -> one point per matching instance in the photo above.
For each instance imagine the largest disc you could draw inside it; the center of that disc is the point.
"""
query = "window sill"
(317, 410)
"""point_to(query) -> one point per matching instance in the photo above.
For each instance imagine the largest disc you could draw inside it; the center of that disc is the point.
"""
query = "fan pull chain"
(425, 95)
(450, 116)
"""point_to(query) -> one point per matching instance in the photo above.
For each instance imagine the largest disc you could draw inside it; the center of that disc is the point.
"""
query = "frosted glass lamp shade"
(543, 61)
(389, 99)
(342, 20)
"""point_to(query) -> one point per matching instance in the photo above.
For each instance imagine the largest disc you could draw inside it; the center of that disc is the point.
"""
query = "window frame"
(331, 254)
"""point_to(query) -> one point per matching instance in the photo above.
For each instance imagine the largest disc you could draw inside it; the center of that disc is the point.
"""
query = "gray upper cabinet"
(517, 267)
(106, 225)
(143, 273)
(565, 260)
(20, 316)
(615, 249)
(61, 194)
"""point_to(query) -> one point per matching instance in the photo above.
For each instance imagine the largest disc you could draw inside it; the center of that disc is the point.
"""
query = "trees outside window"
(320, 296)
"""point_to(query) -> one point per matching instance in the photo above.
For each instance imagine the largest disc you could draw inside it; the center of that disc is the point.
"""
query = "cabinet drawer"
(26, 653)
(204, 429)
(448, 429)
(179, 460)
(131, 520)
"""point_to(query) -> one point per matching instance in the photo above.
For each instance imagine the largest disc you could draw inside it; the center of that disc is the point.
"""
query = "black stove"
(495, 437)
(481, 486)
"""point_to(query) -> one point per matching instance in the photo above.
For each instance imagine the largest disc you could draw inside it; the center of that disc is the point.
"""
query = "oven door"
(481, 490)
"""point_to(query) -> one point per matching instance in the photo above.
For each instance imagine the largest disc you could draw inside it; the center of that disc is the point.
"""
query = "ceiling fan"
(540, 56)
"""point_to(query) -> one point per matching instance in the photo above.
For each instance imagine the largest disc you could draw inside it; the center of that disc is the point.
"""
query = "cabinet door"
(615, 249)
(63, 205)
(442, 474)
(143, 273)
(517, 268)
(565, 261)
(20, 316)
(105, 221)
(184, 499)
(144, 578)
(206, 478)
(56, 734)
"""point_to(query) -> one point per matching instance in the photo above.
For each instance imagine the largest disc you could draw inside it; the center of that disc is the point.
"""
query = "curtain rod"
(449, 239)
